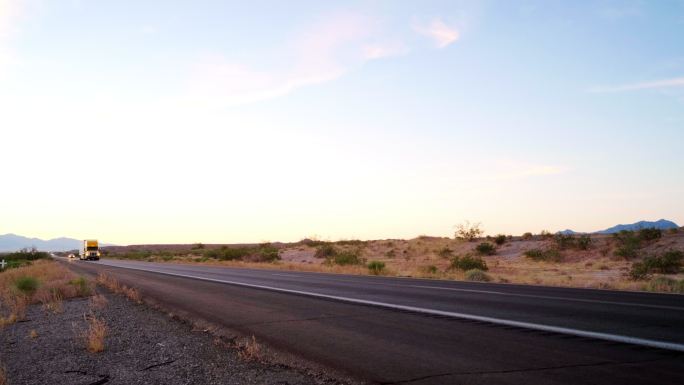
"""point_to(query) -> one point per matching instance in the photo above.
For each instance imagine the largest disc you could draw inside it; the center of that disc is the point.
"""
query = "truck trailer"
(90, 250)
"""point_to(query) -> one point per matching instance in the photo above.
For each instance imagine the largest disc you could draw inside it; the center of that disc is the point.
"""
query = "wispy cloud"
(442, 34)
(320, 53)
(656, 84)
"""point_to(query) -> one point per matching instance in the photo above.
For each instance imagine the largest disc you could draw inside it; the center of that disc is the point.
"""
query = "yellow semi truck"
(90, 250)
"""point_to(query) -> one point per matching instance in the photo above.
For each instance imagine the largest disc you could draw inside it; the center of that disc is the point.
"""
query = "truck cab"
(90, 250)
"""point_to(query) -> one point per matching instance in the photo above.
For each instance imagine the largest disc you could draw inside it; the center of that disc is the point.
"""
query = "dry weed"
(98, 302)
(33, 334)
(250, 350)
(3, 375)
(95, 335)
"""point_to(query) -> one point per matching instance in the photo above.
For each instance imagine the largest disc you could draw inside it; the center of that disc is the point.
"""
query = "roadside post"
(3, 264)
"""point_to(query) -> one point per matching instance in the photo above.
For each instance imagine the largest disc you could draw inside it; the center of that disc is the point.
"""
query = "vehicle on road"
(90, 250)
(71, 256)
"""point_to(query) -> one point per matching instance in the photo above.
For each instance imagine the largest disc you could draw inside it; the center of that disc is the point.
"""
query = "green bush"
(325, 250)
(665, 284)
(500, 239)
(267, 253)
(468, 262)
(431, 269)
(485, 248)
(376, 267)
(564, 241)
(584, 242)
(477, 275)
(26, 254)
(26, 285)
(347, 258)
(629, 244)
(549, 255)
(82, 286)
(650, 234)
(669, 262)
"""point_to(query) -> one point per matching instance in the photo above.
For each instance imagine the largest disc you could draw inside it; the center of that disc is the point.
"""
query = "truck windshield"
(92, 248)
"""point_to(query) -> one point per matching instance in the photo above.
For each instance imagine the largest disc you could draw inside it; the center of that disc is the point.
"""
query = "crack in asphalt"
(296, 320)
(104, 378)
(602, 363)
(159, 364)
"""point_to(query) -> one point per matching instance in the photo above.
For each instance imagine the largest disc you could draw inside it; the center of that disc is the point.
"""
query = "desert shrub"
(325, 250)
(485, 248)
(26, 254)
(445, 252)
(376, 267)
(548, 255)
(134, 254)
(312, 242)
(673, 230)
(267, 253)
(351, 242)
(477, 275)
(390, 253)
(468, 262)
(198, 246)
(500, 239)
(629, 244)
(564, 241)
(650, 234)
(583, 242)
(468, 231)
(669, 262)
(26, 284)
(431, 269)
(82, 286)
(347, 257)
(226, 253)
(665, 284)
(527, 236)
(545, 234)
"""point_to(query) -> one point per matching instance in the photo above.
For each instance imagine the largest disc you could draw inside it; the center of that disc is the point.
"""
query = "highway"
(398, 330)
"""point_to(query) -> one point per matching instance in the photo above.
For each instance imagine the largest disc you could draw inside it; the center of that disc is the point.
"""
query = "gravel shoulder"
(143, 346)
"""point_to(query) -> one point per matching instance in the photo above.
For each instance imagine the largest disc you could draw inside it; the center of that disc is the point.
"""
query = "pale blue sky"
(220, 121)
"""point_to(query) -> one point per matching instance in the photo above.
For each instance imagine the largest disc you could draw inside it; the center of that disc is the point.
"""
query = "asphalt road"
(398, 330)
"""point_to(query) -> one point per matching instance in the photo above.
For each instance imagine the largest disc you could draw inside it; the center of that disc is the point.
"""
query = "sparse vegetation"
(629, 244)
(250, 350)
(346, 257)
(650, 234)
(477, 275)
(548, 255)
(527, 236)
(445, 252)
(485, 248)
(468, 231)
(669, 262)
(376, 267)
(664, 284)
(326, 250)
(500, 239)
(95, 334)
(468, 262)
(583, 242)
(82, 286)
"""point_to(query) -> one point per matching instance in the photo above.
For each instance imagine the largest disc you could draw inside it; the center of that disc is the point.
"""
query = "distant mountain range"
(13, 242)
(662, 224)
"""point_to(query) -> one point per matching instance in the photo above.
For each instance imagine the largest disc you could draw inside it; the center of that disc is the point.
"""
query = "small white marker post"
(3, 264)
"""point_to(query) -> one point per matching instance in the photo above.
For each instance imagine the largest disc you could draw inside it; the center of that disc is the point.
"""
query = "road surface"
(397, 330)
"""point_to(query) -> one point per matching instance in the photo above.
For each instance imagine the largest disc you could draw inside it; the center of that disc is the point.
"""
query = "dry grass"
(98, 302)
(53, 287)
(113, 285)
(250, 350)
(95, 335)
(33, 334)
(3, 375)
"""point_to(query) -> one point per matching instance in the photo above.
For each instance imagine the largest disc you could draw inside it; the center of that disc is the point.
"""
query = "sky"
(230, 121)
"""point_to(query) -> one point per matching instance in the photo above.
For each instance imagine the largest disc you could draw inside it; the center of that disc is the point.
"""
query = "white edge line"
(497, 321)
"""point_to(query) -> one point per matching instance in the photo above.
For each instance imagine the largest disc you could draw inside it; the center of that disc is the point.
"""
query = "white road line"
(498, 321)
